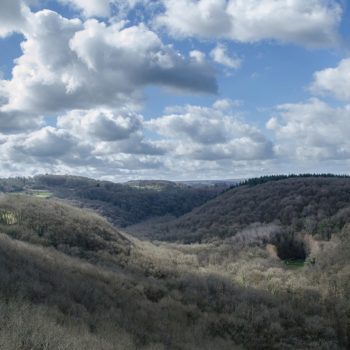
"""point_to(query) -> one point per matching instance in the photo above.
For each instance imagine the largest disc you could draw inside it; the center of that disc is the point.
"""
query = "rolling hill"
(121, 204)
(270, 270)
(69, 280)
(316, 204)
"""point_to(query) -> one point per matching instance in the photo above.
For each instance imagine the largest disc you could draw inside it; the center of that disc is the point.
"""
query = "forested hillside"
(121, 204)
(317, 205)
(69, 280)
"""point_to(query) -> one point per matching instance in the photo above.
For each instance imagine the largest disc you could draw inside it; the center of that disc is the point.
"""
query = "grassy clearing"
(33, 193)
(42, 194)
(294, 263)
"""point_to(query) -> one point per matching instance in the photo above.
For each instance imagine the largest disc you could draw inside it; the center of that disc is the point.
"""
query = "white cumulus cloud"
(311, 23)
(334, 81)
(93, 65)
(13, 16)
(312, 130)
(103, 8)
(210, 134)
(220, 55)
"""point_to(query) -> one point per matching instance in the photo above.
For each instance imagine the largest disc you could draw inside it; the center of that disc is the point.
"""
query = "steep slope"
(50, 223)
(105, 290)
(303, 203)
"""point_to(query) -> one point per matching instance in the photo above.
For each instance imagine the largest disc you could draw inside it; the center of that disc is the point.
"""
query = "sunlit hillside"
(71, 280)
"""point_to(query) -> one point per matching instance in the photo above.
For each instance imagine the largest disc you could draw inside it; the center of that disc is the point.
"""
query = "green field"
(33, 193)
(294, 263)
(42, 194)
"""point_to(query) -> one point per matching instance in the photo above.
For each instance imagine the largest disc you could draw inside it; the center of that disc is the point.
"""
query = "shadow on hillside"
(187, 311)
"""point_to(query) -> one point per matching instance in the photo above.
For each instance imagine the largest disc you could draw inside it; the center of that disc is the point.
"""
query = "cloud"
(101, 124)
(135, 145)
(64, 147)
(198, 140)
(14, 122)
(311, 131)
(102, 8)
(13, 15)
(198, 56)
(136, 165)
(310, 23)
(226, 104)
(91, 74)
(90, 8)
(334, 81)
(47, 142)
(209, 134)
(108, 132)
(44, 147)
(219, 55)
(44, 75)
(94, 65)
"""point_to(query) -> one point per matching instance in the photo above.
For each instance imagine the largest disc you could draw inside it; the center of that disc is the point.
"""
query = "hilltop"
(50, 223)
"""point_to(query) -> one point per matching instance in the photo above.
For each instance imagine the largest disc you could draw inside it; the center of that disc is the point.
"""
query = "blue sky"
(186, 89)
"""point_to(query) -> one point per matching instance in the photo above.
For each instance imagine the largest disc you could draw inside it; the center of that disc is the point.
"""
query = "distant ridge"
(304, 201)
(122, 204)
(267, 178)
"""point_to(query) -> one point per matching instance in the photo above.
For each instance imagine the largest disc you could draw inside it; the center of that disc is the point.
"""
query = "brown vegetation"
(69, 280)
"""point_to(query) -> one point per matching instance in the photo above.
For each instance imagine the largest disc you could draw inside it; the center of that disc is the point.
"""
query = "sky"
(174, 89)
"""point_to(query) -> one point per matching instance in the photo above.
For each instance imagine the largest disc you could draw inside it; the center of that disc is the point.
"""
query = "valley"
(261, 265)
